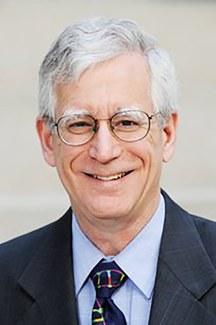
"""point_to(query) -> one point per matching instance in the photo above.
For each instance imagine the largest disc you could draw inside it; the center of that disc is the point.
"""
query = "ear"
(169, 136)
(46, 140)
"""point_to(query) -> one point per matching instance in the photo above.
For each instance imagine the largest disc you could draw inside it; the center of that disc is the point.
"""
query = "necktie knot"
(107, 277)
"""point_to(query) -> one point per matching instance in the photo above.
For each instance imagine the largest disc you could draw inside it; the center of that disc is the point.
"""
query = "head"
(102, 66)
(91, 41)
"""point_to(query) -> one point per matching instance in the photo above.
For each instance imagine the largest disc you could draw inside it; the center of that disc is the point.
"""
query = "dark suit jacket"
(37, 285)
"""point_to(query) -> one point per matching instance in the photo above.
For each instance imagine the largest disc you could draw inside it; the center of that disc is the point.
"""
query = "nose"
(104, 147)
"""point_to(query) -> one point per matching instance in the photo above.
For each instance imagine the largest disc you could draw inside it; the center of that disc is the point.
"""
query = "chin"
(107, 210)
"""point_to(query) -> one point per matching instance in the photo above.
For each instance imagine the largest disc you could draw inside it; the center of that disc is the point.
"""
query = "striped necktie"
(107, 277)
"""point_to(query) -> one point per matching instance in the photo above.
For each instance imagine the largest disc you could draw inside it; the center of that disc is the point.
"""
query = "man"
(124, 253)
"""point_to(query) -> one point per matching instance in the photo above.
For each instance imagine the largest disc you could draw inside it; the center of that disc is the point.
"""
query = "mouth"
(109, 177)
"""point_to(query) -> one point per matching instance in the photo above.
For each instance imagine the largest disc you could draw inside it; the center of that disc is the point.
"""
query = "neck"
(111, 235)
(111, 242)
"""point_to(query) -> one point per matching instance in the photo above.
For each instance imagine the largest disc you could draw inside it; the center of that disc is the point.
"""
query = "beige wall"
(30, 193)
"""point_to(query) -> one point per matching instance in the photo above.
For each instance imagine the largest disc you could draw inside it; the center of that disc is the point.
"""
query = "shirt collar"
(138, 259)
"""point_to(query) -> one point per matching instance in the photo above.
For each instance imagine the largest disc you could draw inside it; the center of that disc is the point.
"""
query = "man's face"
(107, 178)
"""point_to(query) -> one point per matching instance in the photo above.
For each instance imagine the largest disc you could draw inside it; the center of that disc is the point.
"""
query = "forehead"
(123, 81)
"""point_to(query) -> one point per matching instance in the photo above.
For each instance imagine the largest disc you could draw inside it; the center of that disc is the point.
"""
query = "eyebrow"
(83, 111)
(75, 111)
(128, 108)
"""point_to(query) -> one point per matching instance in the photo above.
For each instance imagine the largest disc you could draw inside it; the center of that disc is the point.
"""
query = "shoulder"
(181, 221)
(207, 232)
(173, 209)
(16, 253)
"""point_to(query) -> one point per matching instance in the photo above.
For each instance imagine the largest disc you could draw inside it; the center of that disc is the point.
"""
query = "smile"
(109, 177)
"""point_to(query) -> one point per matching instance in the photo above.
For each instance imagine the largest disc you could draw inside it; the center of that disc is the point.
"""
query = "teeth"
(109, 178)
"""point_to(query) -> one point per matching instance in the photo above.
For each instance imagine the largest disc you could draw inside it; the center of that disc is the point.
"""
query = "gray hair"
(95, 40)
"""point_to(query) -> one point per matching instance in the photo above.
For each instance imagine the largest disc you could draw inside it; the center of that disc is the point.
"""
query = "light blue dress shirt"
(138, 260)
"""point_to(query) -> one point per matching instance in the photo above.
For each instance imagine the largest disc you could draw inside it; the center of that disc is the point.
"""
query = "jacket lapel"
(185, 272)
(48, 278)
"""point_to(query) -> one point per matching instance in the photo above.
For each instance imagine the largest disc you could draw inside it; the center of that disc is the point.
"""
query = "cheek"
(63, 156)
(149, 150)
(69, 160)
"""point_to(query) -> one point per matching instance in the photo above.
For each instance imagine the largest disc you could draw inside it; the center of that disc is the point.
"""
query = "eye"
(78, 124)
(125, 123)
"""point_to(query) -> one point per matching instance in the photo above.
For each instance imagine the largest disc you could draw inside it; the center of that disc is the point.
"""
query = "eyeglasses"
(129, 126)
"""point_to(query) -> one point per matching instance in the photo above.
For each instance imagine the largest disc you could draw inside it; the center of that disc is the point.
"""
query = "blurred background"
(30, 193)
